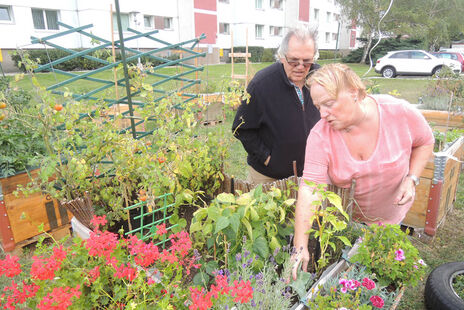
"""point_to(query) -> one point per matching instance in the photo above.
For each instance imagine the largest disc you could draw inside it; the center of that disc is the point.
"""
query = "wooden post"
(5, 229)
(245, 55)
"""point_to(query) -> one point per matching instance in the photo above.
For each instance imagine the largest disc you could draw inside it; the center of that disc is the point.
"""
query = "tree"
(366, 14)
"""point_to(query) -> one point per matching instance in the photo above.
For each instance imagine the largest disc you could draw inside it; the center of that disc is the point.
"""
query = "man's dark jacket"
(275, 123)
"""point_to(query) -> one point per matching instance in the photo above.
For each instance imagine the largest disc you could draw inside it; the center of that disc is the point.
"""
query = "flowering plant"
(103, 272)
(386, 251)
(243, 287)
(354, 289)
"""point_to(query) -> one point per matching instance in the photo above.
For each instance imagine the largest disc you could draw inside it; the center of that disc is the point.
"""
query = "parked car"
(413, 62)
(451, 55)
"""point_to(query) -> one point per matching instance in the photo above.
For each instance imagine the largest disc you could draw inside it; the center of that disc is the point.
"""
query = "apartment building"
(225, 22)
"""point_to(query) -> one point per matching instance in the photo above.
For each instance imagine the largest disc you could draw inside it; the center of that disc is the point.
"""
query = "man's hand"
(406, 193)
(299, 260)
(268, 159)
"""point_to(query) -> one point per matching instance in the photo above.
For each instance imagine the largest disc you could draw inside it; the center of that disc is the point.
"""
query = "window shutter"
(159, 22)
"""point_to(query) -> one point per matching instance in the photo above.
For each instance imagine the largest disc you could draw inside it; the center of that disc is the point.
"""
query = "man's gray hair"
(301, 33)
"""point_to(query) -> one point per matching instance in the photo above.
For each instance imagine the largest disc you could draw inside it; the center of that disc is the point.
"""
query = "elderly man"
(274, 125)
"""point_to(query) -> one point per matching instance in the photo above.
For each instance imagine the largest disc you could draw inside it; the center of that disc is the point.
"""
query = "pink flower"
(98, 220)
(377, 301)
(344, 283)
(420, 261)
(399, 255)
(161, 229)
(368, 283)
(10, 266)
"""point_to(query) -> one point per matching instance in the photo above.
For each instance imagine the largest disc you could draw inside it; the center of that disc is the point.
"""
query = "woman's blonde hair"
(336, 77)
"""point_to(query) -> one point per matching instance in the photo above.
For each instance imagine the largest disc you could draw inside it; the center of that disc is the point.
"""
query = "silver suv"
(413, 62)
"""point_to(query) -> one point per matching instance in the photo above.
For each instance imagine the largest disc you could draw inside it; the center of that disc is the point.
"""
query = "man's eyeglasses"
(296, 62)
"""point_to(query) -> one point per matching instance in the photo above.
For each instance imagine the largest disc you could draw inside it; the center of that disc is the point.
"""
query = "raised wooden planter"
(436, 192)
(21, 216)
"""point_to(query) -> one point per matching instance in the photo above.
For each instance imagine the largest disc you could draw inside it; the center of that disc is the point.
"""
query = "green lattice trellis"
(148, 218)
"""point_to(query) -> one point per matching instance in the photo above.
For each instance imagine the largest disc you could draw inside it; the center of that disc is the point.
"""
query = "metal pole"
(126, 72)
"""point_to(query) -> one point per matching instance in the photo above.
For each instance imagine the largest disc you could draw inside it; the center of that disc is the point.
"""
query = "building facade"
(225, 22)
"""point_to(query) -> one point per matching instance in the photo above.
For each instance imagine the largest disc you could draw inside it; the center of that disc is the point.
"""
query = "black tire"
(436, 71)
(439, 292)
(388, 72)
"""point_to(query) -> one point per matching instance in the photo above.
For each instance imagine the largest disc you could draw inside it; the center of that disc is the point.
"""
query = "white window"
(224, 28)
(45, 19)
(168, 23)
(259, 31)
(334, 37)
(124, 21)
(328, 17)
(316, 14)
(327, 37)
(5, 14)
(276, 4)
(148, 21)
(258, 4)
(275, 31)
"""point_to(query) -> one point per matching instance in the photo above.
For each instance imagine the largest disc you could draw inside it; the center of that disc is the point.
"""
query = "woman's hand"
(300, 259)
(406, 193)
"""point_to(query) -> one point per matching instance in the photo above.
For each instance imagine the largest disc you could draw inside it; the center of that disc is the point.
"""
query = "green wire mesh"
(153, 212)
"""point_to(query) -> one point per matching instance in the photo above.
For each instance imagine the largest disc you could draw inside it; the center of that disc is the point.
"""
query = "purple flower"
(399, 255)
(238, 257)
(253, 304)
(246, 253)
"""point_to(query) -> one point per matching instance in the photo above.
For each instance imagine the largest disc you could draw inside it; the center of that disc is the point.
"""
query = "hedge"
(44, 56)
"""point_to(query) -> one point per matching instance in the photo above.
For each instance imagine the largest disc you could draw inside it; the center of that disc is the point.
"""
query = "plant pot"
(80, 229)
(334, 270)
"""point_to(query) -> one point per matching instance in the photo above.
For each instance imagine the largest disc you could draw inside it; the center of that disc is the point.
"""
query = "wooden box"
(20, 216)
(436, 192)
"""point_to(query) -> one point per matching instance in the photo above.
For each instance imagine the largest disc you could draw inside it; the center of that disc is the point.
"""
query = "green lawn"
(217, 77)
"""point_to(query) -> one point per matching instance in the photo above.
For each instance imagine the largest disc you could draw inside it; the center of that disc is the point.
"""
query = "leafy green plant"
(458, 285)
(352, 289)
(20, 144)
(386, 251)
(262, 219)
(328, 220)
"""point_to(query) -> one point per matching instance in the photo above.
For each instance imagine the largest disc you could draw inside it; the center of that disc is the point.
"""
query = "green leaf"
(214, 213)
(244, 199)
(200, 214)
(303, 281)
(289, 202)
(226, 198)
(274, 244)
(196, 226)
(344, 240)
(201, 279)
(260, 246)
(235, 222)
(211, 266)
(253, 214)
(248, 227)
(221, 223)
(207, 229)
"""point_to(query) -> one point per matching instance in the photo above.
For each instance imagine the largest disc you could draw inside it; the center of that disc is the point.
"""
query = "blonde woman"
(381, 141)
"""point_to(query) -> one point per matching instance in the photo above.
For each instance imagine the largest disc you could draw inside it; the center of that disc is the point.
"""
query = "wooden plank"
(239, 76)
(9, 184)
(443, 119)
(416, 215)
(244, 55)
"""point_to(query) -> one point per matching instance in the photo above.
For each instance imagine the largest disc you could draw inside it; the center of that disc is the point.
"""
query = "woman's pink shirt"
(328, 160)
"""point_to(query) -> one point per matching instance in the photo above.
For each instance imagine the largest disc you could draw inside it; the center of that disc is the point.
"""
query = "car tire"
(436, 71)
(388, 72)
(439, 292)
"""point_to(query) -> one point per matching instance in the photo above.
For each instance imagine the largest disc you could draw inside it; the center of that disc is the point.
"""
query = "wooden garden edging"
(21, 216)
(436, 192)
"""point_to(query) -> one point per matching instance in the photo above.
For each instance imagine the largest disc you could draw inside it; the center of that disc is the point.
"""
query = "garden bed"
(436, 193)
